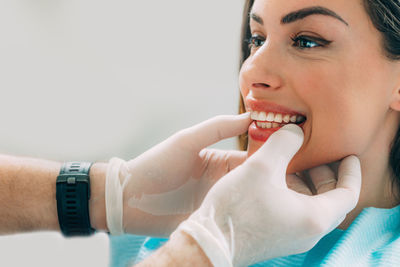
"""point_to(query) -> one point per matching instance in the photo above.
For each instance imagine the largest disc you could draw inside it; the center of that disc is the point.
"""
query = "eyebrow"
(301, 14)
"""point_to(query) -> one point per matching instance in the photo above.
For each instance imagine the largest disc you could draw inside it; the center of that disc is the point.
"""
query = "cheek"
(243, 88)
(328, 143)
(344, 116)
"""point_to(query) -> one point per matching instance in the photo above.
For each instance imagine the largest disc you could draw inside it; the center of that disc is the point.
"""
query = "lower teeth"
(270, 125)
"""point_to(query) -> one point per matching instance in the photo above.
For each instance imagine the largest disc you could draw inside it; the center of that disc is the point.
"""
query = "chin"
(304, 159)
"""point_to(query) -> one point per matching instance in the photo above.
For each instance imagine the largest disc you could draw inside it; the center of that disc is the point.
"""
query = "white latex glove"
(153, 193)
(250, 215)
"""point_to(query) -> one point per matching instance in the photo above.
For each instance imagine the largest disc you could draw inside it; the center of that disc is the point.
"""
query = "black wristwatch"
(73, 194)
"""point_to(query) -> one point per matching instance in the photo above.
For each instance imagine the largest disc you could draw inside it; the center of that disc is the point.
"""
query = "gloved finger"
(213, 130)
(297, 184)
(344, 198)
(235, 158)
(323, 178)
(274, 156)
(220, 162)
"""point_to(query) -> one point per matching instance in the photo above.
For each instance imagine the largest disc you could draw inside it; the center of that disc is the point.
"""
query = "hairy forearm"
(28, 195)
(180, 250)
(28, 203)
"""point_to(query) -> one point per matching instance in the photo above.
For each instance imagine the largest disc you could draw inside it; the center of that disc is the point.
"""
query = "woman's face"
(324, 60)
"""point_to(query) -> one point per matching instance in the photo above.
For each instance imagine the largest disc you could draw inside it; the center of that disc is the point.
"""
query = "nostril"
(261, 85)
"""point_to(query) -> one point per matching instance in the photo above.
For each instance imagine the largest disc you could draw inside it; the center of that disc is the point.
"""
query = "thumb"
(215, 129)
(274, 156)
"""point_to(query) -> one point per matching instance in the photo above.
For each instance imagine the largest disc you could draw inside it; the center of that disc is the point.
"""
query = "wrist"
(44, 173)
(97, 206)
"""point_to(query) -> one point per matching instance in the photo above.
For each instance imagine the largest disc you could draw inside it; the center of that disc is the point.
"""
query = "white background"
(92, 79)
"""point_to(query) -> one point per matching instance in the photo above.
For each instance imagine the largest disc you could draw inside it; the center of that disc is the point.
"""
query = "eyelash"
(320, 42)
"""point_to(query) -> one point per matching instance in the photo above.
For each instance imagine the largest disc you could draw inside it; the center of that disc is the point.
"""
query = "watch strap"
(73, 194)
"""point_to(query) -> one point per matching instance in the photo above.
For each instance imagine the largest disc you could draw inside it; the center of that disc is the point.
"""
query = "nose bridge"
(266, 50)
(264, 66)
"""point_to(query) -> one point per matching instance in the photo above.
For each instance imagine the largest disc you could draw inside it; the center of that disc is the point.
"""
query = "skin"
(348, 89)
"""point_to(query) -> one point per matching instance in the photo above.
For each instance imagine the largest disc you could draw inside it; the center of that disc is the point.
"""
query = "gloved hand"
(250, 215)
(153, 193)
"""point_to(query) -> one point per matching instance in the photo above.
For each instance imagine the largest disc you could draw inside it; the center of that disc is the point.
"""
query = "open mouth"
(272, 120)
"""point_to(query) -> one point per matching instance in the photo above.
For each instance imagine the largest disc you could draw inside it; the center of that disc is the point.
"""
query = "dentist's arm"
(28, 186)
(28, 195)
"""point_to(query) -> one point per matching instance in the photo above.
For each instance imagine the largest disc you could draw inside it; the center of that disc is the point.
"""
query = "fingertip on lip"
(294, 129)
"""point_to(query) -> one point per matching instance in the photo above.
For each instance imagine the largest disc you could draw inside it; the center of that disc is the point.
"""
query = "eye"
(255, 41)
(307, 42)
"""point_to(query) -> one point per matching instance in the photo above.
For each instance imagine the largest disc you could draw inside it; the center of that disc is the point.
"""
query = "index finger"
(215, 129)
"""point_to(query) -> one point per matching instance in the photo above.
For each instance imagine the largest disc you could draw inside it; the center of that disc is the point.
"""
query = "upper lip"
(262, 105)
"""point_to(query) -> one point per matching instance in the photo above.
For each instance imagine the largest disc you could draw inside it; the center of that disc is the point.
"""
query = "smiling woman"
(337, 64)
(309, 58)
(333, 68)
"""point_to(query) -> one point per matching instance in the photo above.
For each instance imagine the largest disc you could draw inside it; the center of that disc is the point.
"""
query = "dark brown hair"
(385, 16)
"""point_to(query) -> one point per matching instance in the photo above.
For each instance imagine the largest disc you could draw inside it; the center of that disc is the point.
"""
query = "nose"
(261, 70)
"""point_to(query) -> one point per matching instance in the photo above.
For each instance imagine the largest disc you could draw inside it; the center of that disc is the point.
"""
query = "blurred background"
(89, 80)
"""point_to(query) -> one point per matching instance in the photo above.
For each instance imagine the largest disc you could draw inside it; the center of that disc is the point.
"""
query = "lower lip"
(261, 134)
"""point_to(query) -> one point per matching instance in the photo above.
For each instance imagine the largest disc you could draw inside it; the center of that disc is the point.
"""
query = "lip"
(260, 134)
(262, 105)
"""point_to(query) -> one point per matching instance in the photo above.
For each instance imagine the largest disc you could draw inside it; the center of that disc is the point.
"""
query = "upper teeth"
(276, 117)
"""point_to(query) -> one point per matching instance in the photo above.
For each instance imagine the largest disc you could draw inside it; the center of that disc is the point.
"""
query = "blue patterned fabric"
(373, 239)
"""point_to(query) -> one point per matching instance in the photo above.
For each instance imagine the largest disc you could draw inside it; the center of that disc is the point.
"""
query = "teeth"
(270, 116)
(254, 115)
(278, 118)
(262, 116)
(286, 118)
(272, 120)
(267, 125)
